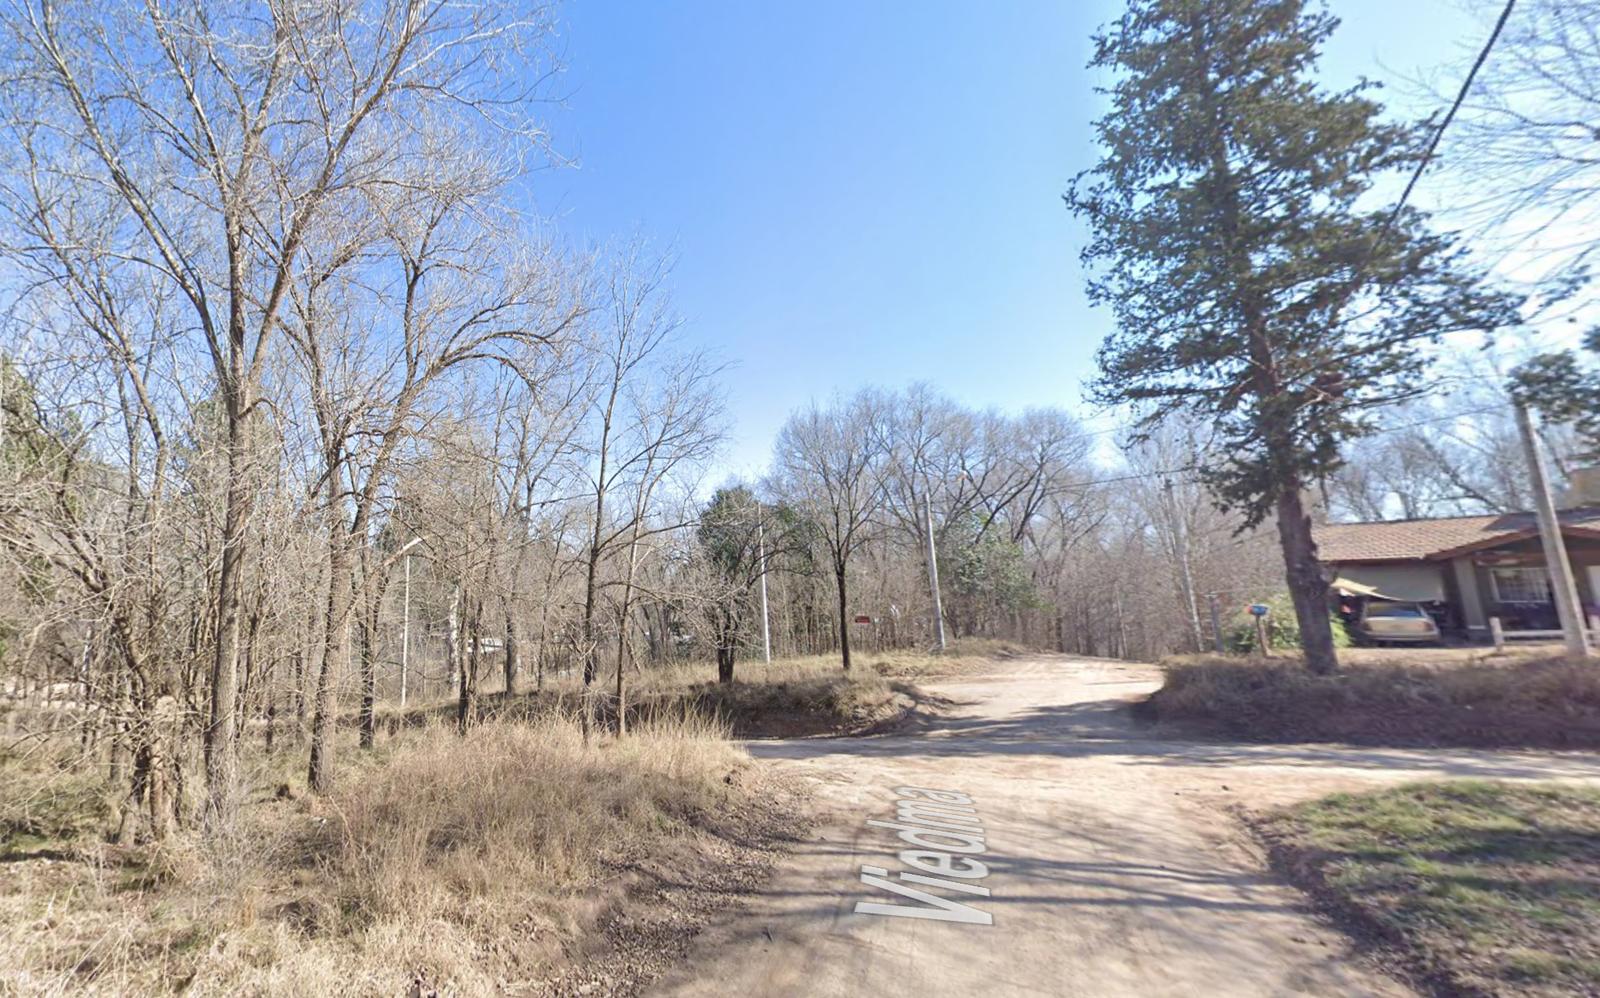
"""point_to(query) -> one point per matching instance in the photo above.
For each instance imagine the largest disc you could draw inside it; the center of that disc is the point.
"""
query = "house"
(1466, 568)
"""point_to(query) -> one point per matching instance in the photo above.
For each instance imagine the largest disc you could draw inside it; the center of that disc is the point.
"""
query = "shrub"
(1283, 627)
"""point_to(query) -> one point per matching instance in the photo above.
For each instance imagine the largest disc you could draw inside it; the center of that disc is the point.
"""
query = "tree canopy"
(1254, 280)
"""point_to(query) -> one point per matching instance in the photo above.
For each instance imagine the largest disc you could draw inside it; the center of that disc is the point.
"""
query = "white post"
(1565, 588)
(1497, 633)
(405, 633)
(766, 633)
(933, 574)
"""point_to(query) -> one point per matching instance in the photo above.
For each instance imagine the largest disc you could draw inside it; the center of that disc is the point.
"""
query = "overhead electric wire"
(1455, 106)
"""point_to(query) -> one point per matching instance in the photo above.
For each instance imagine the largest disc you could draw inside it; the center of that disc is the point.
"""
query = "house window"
(1520, 585)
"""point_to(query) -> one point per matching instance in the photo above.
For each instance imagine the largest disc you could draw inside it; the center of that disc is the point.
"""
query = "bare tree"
(258, 126)
(827, 464)
(1524, 141)
(652, 414)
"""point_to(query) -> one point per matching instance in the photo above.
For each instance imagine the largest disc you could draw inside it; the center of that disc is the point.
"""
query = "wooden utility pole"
(1564, 588)
(933, 573)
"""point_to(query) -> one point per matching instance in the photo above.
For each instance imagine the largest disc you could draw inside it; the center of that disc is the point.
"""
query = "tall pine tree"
(1565, 391)
(1252, 282)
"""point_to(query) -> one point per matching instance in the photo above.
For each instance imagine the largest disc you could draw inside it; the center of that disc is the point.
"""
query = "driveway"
(1084, 858)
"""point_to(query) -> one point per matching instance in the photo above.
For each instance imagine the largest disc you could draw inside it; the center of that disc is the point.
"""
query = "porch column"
(1471, 600)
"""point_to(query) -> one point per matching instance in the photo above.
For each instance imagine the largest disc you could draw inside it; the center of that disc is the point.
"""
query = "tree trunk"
(220, 749)
(724, 664)
(467, 702)
(591, 649)
(452, 641)
(298, 692)
(319, 771)
(367, 650)
(248, 680)
(544, 636)
(513, 666)
(844, 622)
(622, 654)
(1307, 587)
(269, 696)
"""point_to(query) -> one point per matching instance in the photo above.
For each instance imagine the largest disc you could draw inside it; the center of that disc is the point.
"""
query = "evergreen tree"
(1251, 281)
(741, 538)
(1564, 390)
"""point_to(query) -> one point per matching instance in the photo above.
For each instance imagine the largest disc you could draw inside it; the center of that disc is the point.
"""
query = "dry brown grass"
(480, 864)
(810, 695)
(794, 696)
(1544, 703)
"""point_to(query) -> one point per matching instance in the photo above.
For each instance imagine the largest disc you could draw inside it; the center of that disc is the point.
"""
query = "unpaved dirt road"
(1115, 864)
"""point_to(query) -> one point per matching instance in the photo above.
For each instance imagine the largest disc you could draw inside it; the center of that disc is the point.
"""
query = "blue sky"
(870, 192)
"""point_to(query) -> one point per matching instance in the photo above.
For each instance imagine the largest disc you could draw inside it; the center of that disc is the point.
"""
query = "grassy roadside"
(790, 697)
(509, 860)
(1533, 703)
(1478, 889)
(479, 865)
(812, 695)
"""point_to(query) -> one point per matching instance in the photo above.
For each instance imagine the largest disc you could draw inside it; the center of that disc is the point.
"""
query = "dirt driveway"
(1114, 865)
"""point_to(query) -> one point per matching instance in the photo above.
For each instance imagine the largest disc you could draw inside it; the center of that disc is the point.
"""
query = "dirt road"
(1114, 864)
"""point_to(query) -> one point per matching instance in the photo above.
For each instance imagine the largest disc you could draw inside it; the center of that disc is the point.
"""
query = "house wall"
(1463, 584)
(1529, 554)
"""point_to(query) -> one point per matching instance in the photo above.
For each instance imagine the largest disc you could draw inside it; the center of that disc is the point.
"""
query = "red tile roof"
(1420, 540)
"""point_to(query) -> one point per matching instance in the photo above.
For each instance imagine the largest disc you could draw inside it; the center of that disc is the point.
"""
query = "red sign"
(862, 618)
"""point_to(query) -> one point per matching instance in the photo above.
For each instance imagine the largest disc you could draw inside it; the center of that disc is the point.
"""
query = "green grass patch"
(1481, 888)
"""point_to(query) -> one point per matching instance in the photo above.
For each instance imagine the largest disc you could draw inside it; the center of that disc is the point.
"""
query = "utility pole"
(405, 633)
(1180, 544)
(761, 557)
(933, 574)
(1565, 589)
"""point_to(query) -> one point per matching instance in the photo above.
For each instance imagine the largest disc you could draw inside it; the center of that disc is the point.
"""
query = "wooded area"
(305, 417)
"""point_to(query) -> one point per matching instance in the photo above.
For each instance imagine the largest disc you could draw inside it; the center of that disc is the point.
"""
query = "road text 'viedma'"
(943, 829)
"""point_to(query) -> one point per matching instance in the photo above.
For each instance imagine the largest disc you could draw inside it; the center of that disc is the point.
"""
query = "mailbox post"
(1263, 638)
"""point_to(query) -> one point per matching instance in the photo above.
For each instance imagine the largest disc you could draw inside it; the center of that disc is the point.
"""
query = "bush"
(1283, 627)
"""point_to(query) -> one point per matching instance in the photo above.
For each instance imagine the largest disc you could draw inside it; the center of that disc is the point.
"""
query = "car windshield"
(1395, 610)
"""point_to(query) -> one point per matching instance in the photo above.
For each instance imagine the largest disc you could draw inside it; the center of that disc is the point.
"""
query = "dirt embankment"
(802, 697)
(1546, 703)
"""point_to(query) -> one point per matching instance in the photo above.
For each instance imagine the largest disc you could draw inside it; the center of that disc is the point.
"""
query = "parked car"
(1384, 622)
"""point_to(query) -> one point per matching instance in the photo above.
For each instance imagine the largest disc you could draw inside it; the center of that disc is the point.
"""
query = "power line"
(1461, 96)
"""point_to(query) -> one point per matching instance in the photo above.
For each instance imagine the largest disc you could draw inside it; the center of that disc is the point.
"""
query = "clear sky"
(870, 192)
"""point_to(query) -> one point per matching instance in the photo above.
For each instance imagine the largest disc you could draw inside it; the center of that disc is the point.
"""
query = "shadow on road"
(1104, 728)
